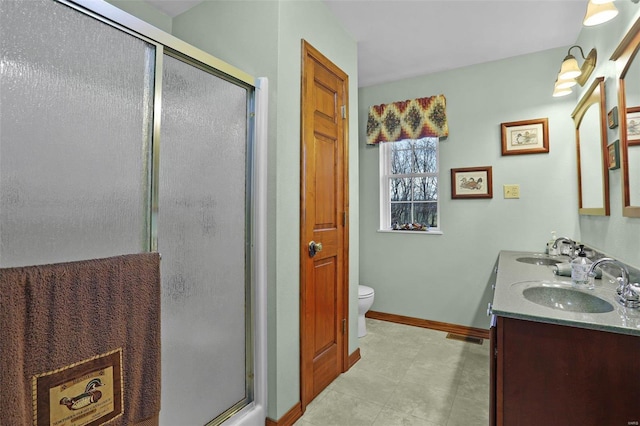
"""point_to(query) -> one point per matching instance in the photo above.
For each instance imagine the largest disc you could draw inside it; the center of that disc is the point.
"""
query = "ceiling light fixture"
(599, 12)
(571, 73)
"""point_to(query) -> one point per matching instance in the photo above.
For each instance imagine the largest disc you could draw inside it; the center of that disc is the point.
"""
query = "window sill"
(430, 232)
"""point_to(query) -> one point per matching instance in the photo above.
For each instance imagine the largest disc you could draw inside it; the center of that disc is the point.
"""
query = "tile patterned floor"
(407, 376)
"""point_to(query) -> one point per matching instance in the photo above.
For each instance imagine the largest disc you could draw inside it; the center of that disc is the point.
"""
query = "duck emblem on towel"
(90, 395)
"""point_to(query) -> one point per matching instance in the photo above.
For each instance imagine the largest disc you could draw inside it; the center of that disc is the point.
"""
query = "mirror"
(591, 143)
(628, 67)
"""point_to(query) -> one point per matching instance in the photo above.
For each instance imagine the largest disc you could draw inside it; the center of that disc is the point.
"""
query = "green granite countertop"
(514, 276)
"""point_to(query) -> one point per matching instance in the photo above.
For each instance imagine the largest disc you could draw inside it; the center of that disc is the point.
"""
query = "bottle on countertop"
(550, 250)
(580, 268)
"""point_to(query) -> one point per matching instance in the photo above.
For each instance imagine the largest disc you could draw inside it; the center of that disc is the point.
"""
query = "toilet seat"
(364, 291)
(365, 301)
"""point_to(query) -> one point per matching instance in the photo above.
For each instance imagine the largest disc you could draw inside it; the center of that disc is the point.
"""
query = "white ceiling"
(174, 8)
(406, 38)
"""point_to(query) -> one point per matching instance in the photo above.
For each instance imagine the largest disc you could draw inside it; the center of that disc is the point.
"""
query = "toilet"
(365, 300)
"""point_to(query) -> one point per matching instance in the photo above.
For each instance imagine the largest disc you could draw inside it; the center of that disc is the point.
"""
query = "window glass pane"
(426, 213)
(400, 213)
(424, 156)
(403, 144)
(425, 189)
(412, 198)
(401, 158)
(420, 188)
(400, 189)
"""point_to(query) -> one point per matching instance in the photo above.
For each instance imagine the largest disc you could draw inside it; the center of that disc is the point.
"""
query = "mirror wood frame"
(594, 95)
(623, 57)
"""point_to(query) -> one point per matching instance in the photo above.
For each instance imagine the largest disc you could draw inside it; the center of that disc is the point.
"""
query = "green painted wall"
(146, 12)
(445, 278)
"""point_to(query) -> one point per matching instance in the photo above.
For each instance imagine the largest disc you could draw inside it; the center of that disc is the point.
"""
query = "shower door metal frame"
(251, 410)
(156, 146)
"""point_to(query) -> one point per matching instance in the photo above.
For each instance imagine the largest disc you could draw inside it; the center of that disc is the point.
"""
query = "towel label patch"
(86, 393)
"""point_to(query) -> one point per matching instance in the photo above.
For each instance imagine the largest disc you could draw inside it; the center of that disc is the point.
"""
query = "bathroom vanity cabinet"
(556, 365)
(549, 374)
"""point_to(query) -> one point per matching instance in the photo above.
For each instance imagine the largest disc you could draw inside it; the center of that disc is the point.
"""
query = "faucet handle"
(572, 249)
(630, 296)
(621, 285)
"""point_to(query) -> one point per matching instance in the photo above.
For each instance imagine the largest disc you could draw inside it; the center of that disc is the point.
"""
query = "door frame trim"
(309, 50)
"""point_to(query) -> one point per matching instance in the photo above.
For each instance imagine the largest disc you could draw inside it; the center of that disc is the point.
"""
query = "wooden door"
(323, 220)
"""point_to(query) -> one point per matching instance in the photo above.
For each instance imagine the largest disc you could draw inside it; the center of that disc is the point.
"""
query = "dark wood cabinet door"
(492, 372)
(558, 375)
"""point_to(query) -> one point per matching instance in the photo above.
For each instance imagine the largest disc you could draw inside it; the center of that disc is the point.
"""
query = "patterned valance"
(411, 119)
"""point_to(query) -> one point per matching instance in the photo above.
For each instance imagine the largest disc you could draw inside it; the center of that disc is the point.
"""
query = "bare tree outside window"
(412, 179)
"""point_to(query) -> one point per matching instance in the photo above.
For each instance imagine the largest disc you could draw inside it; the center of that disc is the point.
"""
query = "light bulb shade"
(560, 92)
(599, 13)
(565, 84)
(569, 68)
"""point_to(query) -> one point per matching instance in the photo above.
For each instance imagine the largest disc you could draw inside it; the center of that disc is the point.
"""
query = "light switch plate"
(511, 191)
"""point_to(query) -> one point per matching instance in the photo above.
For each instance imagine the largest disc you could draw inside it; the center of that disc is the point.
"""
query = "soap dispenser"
(580, 268)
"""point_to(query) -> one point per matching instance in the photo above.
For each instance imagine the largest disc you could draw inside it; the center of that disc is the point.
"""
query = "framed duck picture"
(471, 182)
(633, 125)
(525, 137)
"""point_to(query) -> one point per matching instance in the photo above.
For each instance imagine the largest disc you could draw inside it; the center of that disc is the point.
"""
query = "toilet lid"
(364, 291)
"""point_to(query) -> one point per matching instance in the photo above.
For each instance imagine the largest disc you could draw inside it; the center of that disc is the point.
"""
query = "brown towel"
(69, 328)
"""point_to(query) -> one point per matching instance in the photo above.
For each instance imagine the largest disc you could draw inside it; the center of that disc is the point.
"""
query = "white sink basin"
(538, 260)
(565, 298)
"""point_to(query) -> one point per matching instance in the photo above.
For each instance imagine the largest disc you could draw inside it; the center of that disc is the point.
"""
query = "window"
(409, 185)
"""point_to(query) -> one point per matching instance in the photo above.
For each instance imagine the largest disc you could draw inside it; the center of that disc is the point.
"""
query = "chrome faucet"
(628, 294)
(567, 241)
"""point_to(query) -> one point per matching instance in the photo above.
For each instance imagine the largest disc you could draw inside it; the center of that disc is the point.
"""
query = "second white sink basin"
(534, 260)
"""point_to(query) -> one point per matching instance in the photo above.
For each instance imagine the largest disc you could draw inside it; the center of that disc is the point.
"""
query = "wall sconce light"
(571, 74)
(599, 12)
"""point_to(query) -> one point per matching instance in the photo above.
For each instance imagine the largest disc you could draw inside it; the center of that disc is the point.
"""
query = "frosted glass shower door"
(202, 236)
(75, 120)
